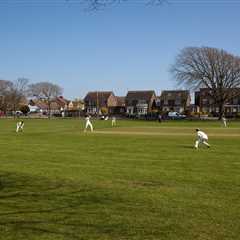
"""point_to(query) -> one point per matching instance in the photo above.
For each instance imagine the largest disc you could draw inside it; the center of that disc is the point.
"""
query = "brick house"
(139, 102)
(62, 102)
(99, 101)
(205, 103)
(119, 108)
(76, 105)
(57, 105)
(174, 100)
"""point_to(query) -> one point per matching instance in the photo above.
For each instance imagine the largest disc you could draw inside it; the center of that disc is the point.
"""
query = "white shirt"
(202, 135)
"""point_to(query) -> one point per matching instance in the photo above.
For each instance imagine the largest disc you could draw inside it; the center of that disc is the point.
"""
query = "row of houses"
(145, 102)
(138, 103)
(58, 105)
(106, 103)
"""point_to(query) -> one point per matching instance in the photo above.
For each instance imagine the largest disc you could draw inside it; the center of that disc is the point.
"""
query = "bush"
(24, 109)
(104, 111)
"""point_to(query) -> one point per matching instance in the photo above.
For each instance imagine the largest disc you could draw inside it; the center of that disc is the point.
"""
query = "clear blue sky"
(125, 47)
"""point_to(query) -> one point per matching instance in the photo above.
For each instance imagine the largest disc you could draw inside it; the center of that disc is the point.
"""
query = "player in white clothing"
(114, 121)
(88, 124)
(202, 138)
(224, 120)
(20, 126)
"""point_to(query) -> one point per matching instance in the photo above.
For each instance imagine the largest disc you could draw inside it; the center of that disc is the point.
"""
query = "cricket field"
(137, 181)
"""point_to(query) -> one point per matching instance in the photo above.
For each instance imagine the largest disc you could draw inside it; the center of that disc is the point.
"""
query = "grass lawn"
(138, 181)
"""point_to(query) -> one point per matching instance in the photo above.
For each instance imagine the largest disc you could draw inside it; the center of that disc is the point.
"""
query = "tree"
(12, 94)
(17, 93)
(45, 91)
(24, 109)
(5, 87)
(212, 68)
(94, 5)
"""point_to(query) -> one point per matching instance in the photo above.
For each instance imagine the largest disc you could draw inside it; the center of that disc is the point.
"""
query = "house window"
(134, 102)
(171, 102)
(141, 101)
(178, 101)
(205, 101)
(235, 101)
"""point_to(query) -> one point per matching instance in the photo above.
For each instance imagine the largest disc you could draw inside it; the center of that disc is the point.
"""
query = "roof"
(143, 95)
(172, 94)
(99, 98)
(62, 101)
(41, 105)
(98, 95)
(44, 106)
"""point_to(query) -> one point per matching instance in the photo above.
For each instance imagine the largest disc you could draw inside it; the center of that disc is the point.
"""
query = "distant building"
(206, 104)
(174, 100)
(62, 102)
(139, 102)
(57, 105)
(76, 105)
(99, 102)
(119, 108)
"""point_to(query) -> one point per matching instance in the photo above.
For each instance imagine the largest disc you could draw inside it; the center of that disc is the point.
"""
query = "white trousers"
(88, 124)
(113, 122)
(19, 127)
(225, 123)
(201, 141)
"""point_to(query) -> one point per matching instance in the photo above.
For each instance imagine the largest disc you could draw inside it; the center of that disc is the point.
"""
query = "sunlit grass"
(57, 182)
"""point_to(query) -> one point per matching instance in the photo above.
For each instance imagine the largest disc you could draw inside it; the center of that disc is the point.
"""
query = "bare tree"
(211, 68)
(45, 91)
(14, 93)
(93, 5)
(5, 87)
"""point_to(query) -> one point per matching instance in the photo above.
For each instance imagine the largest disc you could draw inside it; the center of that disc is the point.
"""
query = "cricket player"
(88, 124)
(114, 121)
(20, 126)
(224, 121)
(202, 138)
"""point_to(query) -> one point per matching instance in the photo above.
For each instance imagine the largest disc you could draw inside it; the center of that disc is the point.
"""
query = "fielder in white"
(114, 123)
(88, 124)
(20, 126)
(202, 138)
(224, 121)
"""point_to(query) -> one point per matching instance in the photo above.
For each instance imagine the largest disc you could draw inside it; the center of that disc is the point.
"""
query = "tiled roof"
(143, 95)
(172, 94)
(100, 97)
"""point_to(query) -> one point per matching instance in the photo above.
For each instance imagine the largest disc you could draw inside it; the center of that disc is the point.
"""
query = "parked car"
(18, 113)
(176, 115)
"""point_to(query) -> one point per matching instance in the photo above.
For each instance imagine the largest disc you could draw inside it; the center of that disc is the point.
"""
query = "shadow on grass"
(187, 146)
(33, 207)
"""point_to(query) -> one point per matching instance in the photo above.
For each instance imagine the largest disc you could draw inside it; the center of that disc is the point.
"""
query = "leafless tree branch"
(211, 68)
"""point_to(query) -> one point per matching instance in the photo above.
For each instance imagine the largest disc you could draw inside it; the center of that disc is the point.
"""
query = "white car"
(176, 115)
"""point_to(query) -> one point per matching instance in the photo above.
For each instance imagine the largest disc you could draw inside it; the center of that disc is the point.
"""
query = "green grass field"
(138, 181)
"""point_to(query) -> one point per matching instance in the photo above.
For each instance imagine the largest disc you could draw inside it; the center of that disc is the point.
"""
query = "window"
(178, 101)
(142, 101)
(235, 101)
(204, 101)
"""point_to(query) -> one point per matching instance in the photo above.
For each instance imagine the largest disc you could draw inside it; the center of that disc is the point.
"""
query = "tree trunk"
(221, 110)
